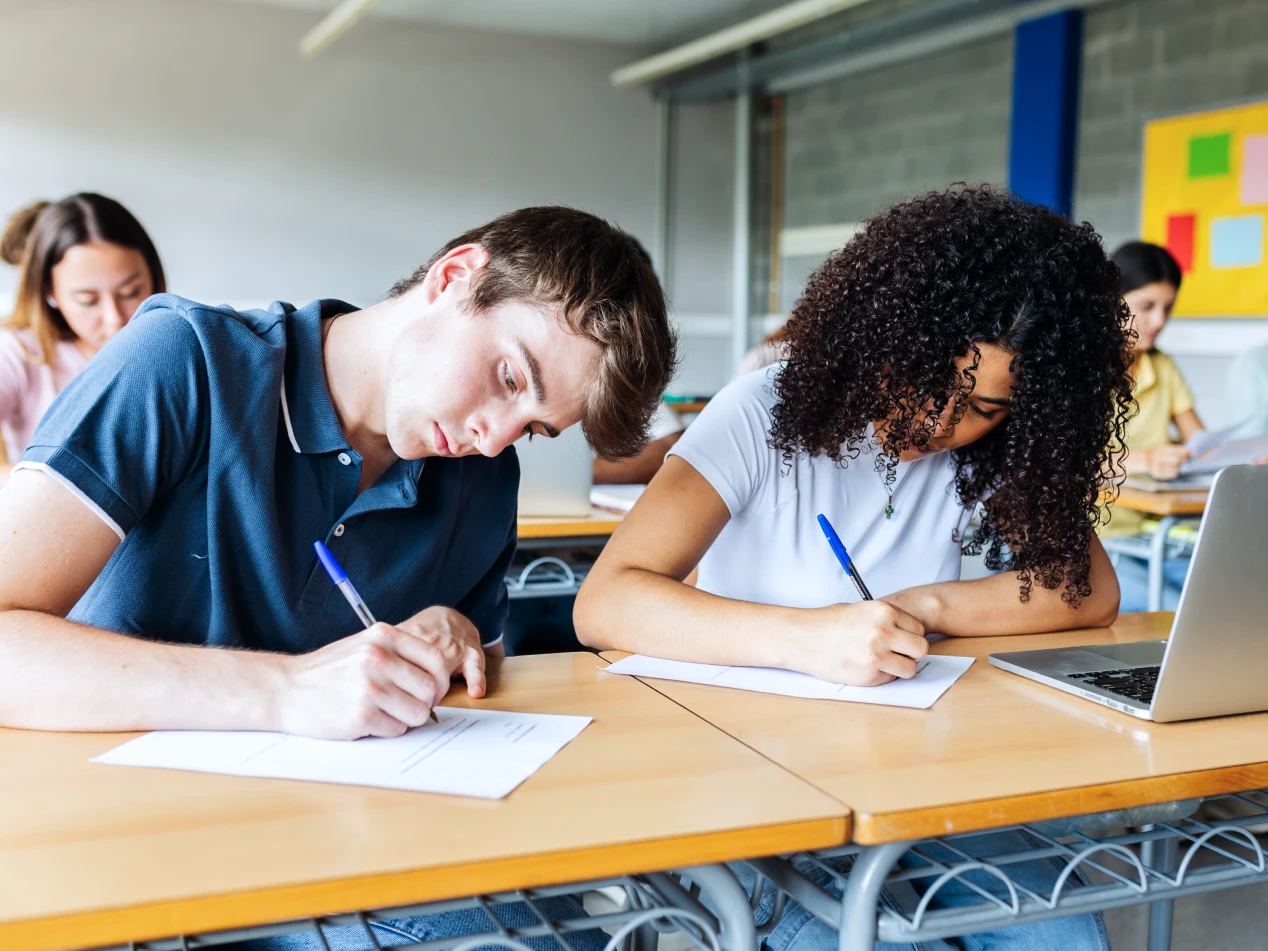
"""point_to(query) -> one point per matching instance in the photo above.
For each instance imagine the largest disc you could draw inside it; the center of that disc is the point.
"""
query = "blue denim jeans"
(447, 924)
(1133, 583)
(798, 930)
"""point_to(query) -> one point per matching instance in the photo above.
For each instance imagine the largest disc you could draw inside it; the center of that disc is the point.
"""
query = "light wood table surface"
(93, 854)
(994, 750)
(599, 523)
(1181, 502)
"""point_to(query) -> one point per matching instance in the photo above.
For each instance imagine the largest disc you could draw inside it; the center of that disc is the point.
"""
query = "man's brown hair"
(603, 282)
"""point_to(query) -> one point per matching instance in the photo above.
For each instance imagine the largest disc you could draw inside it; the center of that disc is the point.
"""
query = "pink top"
(27, 388)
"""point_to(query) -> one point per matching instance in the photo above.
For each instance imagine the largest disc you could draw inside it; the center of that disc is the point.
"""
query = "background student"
(965, 347)
(1247, 393)
(666, 429)
(85, 264)
(766, 352)
(1150, 280)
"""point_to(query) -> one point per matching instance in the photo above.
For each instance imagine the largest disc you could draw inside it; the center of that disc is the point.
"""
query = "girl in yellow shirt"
(1150, 280)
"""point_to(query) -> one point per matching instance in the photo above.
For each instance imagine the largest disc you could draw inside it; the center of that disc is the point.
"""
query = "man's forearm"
(57, 675)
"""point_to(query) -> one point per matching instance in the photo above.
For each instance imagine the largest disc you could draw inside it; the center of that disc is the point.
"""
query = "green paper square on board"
(1208, 155)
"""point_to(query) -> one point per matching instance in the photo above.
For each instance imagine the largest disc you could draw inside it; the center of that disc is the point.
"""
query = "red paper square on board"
(1180, 230)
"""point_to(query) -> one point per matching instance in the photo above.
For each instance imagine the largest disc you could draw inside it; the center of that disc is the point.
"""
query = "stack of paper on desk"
(615, 498)
(481, 753)
(934, 674)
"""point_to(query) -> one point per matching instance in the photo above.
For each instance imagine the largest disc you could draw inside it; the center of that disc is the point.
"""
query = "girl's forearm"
(640, 611)
(992, 606)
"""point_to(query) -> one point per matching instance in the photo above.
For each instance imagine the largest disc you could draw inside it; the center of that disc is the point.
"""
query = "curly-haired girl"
(965, 348)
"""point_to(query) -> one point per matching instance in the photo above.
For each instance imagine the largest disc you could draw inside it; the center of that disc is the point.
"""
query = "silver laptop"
(555, 474)
(1216, 660)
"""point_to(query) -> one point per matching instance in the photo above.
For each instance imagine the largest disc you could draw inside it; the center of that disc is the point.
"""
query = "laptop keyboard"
(1135, 683)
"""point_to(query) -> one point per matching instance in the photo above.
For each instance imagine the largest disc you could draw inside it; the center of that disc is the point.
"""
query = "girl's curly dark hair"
(877, 333)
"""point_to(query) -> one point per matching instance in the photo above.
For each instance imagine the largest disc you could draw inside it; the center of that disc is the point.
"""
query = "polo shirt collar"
(308, 414)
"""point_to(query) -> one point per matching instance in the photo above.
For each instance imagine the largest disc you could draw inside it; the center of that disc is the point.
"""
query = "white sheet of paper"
(1205, 439)
(480, 753)
(934, 674)
(1235, 452)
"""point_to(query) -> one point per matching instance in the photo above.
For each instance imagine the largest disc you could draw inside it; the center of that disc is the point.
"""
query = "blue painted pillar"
(1046, 59)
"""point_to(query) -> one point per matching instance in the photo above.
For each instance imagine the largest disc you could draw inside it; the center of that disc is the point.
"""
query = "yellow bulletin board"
(1205, 198)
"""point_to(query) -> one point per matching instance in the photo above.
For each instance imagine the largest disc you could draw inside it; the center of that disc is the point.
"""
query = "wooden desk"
(1185, 502)
(598, 525)
(93, 855)
(996, 749)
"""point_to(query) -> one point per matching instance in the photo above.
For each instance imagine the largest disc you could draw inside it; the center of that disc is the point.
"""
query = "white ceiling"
(655, 23)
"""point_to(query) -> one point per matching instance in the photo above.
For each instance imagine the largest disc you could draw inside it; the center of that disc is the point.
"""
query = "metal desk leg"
(726, 902)
(1163, 856)
(730, 904)
(1158, 561)
(862, 894)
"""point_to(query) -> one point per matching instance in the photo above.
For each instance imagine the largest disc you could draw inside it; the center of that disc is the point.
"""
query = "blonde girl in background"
(85, 265)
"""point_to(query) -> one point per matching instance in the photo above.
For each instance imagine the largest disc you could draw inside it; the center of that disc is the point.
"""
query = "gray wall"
(858, 144)
(1148, 58)
(262, 175)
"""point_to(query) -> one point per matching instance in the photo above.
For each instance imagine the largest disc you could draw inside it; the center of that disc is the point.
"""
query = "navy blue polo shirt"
(206, 438)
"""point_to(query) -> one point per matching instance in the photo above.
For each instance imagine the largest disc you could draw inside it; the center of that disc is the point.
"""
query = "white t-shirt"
(772, 551)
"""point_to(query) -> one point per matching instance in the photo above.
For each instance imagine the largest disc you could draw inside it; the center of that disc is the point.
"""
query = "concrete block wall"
(855, 146)
(858, 144)
(1143, 59)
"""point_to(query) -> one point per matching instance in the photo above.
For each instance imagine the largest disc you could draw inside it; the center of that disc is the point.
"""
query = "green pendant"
(889, 507)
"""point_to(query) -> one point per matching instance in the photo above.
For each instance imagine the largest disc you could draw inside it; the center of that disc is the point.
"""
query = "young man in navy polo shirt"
(170, 498)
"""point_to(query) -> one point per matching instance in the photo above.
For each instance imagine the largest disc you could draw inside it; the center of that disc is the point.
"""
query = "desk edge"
(224, 911)
(881, 827)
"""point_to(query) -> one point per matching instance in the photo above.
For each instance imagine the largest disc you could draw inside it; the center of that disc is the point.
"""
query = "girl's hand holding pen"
(872, 642)
(863, 644)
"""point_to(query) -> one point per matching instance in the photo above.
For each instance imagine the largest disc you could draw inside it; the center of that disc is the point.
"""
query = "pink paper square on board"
(1255, 170)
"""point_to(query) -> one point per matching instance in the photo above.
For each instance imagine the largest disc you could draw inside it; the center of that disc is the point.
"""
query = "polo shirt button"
(345, 459)
(339, 530)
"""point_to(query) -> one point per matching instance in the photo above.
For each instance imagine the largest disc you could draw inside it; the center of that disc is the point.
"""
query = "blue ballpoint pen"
(843, 556)
(340, 578)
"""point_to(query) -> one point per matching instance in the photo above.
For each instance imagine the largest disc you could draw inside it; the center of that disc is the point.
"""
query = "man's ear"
(454, 272)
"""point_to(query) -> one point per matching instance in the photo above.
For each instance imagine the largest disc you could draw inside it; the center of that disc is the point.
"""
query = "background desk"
(1168, 508)
(552, 576)
(592, 529)
(93, 855)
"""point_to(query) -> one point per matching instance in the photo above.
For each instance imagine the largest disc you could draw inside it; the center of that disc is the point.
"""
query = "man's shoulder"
(167, 328)
(171, 307)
